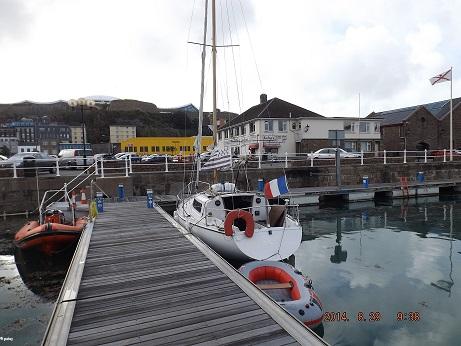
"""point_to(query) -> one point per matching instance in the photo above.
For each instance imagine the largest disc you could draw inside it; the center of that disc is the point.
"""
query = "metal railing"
(113, 167)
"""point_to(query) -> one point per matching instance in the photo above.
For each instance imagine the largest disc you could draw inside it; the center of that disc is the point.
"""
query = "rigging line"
(251, 46)
(239, 55)
(188, 34)
(233, 58)
(224, 55)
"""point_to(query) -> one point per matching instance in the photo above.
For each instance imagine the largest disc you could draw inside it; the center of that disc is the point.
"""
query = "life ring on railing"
(239, 214)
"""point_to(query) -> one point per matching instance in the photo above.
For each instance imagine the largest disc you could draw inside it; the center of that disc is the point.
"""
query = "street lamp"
(82, 102)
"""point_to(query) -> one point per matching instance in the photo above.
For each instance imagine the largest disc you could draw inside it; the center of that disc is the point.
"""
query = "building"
(9, 139)
(278, 127)
(28, 148)
(120, 133)
(76, 134)
(420, 127)
(164, 145)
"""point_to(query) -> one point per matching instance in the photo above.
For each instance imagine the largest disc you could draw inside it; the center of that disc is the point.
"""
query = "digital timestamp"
(372, 316)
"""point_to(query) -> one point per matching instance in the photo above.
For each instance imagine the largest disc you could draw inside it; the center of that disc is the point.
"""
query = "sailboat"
(239, 225)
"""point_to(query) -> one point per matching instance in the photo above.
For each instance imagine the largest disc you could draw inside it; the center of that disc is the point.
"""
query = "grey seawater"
(391, 273)
(29, 286)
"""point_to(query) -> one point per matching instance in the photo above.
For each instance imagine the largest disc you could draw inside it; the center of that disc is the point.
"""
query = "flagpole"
(451, 114)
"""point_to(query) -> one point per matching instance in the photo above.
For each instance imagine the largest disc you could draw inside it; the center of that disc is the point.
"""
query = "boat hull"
(48, 238)
(275, 244)
(300, 300)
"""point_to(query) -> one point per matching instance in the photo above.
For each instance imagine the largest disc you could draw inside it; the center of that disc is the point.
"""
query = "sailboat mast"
(213, 50)
(198, 142)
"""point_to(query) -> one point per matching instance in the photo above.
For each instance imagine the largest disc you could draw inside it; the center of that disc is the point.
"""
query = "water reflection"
(400, 257)
(41, 274)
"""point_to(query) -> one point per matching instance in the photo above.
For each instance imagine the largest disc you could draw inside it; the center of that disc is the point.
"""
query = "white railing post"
(57, 168)
(286, 159)
(361, 157)
(385, 162)
(405, 156)
(425, 155)
(15, 173)
(102, 167)
(312, 159)
(444, 155)
(131, 164)
(259, 159)
(166, 163)
(96, 166)
(126, 166)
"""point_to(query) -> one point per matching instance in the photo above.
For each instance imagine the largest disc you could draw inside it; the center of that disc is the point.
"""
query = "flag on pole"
(276, 187)
(219, 158)
(443, 77)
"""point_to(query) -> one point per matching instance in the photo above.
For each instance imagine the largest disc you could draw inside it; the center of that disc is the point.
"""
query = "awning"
(253, 146)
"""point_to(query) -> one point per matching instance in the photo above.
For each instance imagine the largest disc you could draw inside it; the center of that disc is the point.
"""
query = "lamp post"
(82, 102)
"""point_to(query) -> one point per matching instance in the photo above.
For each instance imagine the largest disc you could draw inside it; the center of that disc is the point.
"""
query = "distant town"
(271, 126)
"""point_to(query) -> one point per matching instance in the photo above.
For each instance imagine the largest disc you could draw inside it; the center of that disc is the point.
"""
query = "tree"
(5, 151)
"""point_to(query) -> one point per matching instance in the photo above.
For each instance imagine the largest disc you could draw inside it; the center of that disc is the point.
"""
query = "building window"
(226, 133)
(376, 127)
(236, 131)
(220, 135)
(204, 148)
(348, 126)
(242, 129)
(364, 127)
(252, 127)
(163, 148)
(268, 126)
(283, 126)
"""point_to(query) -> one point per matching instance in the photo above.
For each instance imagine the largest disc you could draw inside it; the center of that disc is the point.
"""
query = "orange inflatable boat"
(53, 236)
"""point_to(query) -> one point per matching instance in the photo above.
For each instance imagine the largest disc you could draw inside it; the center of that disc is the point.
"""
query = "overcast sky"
(317, 54)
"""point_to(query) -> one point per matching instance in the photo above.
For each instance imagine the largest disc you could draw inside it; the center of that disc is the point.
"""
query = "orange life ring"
(239, 214)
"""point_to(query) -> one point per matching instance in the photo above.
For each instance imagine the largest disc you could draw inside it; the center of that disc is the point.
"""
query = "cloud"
(15, 19)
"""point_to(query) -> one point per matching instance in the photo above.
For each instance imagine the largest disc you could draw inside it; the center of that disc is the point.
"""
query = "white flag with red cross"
(443, 77)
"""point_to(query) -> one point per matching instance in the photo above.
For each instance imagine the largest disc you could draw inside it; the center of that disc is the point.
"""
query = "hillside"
(148, 119)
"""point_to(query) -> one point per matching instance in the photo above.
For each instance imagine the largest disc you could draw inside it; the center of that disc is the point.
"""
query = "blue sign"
(150, 198)
(99, 202)
(121, 192)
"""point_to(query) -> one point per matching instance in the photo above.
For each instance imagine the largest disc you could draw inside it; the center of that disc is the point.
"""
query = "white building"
(279, 127)
(119, 133)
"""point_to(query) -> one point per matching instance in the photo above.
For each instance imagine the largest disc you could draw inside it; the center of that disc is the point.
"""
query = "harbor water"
(386, 275)
(29, 286)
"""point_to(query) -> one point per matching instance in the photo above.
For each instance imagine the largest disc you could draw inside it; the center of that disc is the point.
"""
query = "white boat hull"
(267, 243)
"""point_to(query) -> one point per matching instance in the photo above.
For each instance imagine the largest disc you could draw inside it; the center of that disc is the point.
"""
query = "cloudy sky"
(319, 55)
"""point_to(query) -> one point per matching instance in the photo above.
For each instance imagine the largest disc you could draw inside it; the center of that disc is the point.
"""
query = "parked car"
(35, 160)
(75, 157)
(103, 156)
(441, 152)
(132, 156)
(330, 153)
(153, 158)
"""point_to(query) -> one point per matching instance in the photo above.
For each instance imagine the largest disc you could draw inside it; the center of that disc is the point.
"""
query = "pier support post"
(385, 162)
(57, 168)
(15, 173)
(102, 168)
(96, 166)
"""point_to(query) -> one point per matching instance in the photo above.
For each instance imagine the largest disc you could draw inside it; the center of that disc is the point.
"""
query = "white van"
(74, 157)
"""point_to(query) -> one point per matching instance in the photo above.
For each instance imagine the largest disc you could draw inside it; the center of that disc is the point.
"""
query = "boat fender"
(239, 214)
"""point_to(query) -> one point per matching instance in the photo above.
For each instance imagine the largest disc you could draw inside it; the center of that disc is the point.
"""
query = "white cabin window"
(268, 126)
(197, 205)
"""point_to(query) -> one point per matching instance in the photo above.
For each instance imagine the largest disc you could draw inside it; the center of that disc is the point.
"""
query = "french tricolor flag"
(276, 187)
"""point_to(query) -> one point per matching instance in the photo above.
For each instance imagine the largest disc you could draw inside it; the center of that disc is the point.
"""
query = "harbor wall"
(20, 194)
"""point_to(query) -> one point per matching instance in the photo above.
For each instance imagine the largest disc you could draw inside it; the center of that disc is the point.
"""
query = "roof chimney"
(262, 98)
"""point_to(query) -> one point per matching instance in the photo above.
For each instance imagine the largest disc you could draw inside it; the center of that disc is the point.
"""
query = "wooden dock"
(138, 278)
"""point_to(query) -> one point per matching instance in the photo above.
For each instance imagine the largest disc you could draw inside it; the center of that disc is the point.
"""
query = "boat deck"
(138, 279)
